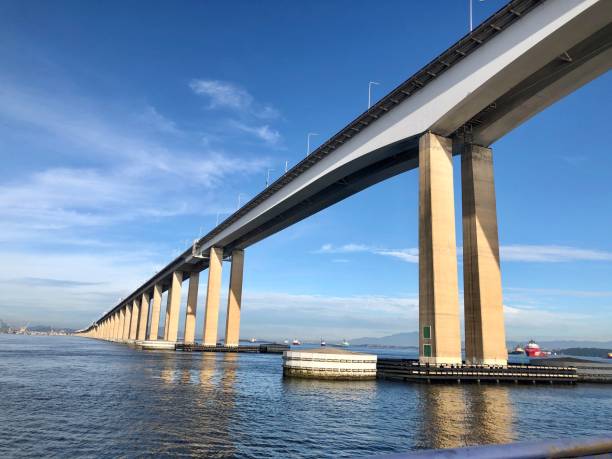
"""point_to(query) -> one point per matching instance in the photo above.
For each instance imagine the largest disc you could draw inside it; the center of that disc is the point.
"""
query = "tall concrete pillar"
(135, 318)
(439, 336)
(116, 326)
(485, 336)
(121, 324)
(155, 312)
(191, 310)
(234, 300)
(213, 292)
(128, 322)
(173, 306)
(141, 335)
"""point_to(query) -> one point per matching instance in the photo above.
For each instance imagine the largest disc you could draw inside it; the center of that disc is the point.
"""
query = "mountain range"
(411, 339)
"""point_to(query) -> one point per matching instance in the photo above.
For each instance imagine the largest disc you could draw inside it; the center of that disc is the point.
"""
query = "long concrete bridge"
(522, 59)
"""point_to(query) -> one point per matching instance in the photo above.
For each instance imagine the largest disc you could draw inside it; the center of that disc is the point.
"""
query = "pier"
(414, 371)
(270, 348)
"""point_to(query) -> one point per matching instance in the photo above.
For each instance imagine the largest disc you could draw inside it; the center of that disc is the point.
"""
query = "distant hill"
(586, 352)
(412, 339)
(564, 344)
(398, 339)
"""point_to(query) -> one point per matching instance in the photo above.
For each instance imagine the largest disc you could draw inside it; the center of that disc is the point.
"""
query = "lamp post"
(370, 92)
(471, 13)
(310, 134)
(268, 177)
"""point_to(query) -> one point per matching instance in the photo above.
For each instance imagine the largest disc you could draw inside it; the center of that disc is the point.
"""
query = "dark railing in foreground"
(583, 447)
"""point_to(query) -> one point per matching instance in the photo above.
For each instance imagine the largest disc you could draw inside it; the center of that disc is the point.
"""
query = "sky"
(127, 129)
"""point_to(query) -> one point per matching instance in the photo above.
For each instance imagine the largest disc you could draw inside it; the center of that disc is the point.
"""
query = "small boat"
(345, 343)
(323, 343)
(253, 340)
(518, 350)
(286, 341)
(296, 342)
(610, 355)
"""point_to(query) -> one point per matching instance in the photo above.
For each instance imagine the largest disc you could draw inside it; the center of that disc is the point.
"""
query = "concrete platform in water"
(327, 363)
(158, 345)
(412, 370)
(270, 348)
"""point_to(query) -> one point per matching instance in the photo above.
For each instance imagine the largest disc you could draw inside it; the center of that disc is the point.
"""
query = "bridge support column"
(155, 312)
(191, 310)
(485, 336)
(173, 306)
(144, 317)
(116, 327)
(439, 336)
(121, 314)
(234, 299)
(127, 323)
(135, 319)
(213, 292)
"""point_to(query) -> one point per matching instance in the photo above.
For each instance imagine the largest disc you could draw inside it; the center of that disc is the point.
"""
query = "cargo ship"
(533, 350)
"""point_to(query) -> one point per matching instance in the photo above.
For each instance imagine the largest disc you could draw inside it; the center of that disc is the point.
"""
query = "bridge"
(522, 59)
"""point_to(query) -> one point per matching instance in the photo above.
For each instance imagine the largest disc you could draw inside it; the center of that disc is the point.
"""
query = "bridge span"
(522, 59)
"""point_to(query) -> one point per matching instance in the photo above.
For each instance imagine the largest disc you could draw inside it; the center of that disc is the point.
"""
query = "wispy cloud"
(511, 253)
(283, 315)
(224, 94)
(265, 132)
(153, 118)
(410, 255)
(113, 171)
(47, 282)
(551, 254)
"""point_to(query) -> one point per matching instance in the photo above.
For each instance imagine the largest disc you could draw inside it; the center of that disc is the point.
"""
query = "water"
(70, 397)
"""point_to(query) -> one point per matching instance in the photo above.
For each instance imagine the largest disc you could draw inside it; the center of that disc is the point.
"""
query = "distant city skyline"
(117, 153)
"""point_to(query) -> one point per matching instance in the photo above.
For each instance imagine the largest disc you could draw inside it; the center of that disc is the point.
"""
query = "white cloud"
(311, 316)
(223, 94)
(410, 255)
(265, 133)
(123, 172)
(152, 117)
(551, 254)
(511, 253)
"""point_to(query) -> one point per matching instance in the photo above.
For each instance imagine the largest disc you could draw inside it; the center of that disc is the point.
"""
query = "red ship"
(533, 350)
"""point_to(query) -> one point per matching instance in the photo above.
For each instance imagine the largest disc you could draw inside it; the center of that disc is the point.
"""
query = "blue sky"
(126, 129)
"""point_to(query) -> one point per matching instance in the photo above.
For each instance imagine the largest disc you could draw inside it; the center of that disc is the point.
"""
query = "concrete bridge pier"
(192, 306)
(121, 324)
(234, 299)
(213, 290)
(126, 323)
(485, 337)
(116, 326)
(144, 317)
(439, 336)
(155, 312)
(172, 307)
(134, 319)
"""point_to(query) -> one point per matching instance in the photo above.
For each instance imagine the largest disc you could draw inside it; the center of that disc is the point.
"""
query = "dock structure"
(589, 371)
(270, 348)
(414, 371)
